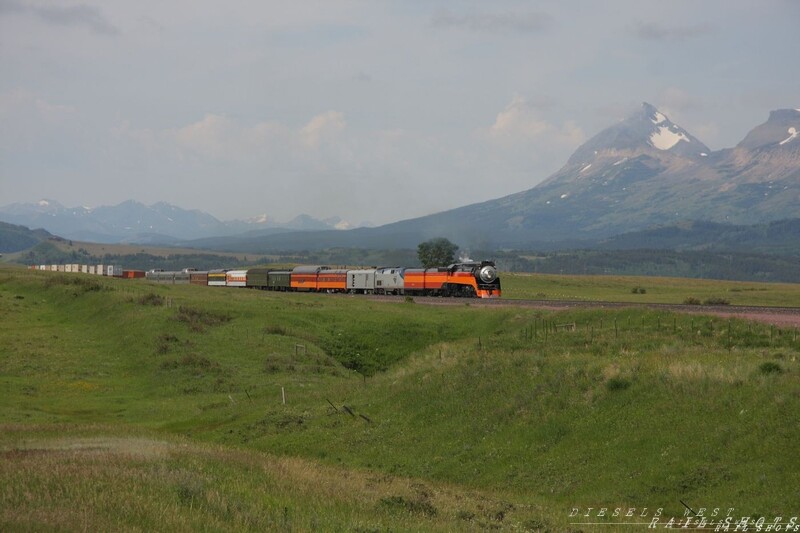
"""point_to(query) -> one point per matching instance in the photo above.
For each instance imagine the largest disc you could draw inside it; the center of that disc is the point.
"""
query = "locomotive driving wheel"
(446, 291)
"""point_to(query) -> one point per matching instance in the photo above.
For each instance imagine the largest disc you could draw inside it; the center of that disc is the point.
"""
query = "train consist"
(469, 280)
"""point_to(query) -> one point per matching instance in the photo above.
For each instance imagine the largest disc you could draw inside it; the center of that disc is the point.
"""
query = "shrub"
(617, 383)
(352, 353)
(716, 300)
(420, 506)
(770, 367)
(197, 319)
(197, 361)
(151, 298)
(164, 342)
(638, 290)
(274, 329)
(691, 300)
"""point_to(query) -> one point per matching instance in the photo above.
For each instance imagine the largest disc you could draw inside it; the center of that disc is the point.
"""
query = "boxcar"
(361, 281)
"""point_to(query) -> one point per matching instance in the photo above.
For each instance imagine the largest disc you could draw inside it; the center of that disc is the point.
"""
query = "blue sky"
(372, 111)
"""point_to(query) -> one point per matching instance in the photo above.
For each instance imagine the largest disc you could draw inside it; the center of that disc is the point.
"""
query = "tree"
(436, 252)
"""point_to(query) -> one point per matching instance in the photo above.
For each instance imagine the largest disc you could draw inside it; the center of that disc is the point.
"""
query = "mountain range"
(157, 224)
(641, 173)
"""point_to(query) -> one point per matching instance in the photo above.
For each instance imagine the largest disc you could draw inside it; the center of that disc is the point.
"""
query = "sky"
(372, 111)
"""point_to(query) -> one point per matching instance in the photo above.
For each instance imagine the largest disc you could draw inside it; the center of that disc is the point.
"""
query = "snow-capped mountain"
(644, 131)
(646, 171)
(131, 221)
(781, 131)
(642, 172)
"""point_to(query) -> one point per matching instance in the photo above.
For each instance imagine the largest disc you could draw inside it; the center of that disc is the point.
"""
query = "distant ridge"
(14, 238)
(158, 224)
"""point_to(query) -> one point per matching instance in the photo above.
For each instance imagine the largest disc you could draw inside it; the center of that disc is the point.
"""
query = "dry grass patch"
(696, 371)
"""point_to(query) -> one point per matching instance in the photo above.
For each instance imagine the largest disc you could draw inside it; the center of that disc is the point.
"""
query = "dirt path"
(781, 320)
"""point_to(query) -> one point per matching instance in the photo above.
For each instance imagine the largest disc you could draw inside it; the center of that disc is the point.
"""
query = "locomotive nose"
(487, 274)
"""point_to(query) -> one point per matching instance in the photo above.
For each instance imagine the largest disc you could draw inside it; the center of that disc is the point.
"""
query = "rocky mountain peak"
(780, 131)
(645, 130)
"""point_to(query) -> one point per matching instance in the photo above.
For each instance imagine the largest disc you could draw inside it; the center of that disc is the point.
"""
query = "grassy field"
(647, 289)
(129, 406)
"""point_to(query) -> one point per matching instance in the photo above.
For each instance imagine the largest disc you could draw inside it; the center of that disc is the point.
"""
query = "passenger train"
(470, 280)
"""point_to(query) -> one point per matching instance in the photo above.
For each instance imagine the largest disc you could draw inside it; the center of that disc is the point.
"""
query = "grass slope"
(126, 405)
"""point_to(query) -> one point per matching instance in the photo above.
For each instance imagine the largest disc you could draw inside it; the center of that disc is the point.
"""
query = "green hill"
(127, 405)
(14, 238)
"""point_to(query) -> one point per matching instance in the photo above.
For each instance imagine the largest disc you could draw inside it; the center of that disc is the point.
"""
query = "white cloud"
(214, 136)
(324, 126)
(20, 101)
(520, 122)
(517, 120)
(220, 137)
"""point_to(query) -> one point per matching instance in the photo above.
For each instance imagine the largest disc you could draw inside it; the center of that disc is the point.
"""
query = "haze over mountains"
(642, 172)
(160, 223)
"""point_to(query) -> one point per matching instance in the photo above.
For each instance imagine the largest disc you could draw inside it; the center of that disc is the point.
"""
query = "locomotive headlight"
(487, 274)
